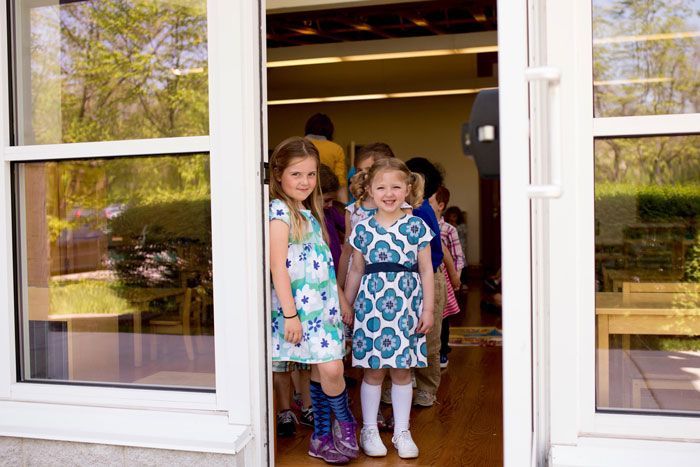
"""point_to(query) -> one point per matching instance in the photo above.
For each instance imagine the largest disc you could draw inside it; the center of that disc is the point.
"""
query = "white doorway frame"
(581, 435)
(518, 422)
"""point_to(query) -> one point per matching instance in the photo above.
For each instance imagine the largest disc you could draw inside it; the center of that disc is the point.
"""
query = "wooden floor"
(464, 428)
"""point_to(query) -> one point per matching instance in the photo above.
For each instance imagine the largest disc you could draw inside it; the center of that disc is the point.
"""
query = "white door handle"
(550, 127)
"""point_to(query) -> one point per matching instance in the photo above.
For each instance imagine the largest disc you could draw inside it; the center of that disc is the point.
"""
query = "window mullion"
(140, 147)
(647, 125)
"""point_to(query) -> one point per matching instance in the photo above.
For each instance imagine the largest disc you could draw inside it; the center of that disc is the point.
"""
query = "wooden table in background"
(640, 313)
(613, 278)
(141, 299)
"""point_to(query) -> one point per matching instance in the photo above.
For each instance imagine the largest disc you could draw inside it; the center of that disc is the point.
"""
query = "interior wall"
(426, 126)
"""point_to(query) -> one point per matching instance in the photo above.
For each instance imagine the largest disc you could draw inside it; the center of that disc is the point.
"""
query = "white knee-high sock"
(370, 396)
(401, 396)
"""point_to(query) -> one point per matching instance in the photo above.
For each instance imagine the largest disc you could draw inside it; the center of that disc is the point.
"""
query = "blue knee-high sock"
(322, 410)
(340, 407)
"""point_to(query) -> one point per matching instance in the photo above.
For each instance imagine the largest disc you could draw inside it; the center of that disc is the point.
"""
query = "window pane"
(646, 57)
(647, 199)
(99, 70)
(116, 271)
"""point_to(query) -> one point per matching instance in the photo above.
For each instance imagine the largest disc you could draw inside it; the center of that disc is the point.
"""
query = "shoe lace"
(308, 414)
(288, 416)
(370, 433)
(403, 438)
(347, 429)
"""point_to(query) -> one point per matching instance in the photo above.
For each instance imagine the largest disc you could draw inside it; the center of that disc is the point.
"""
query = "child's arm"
(279, 235)
(425, 269)
(344, 254)
(346, 310)
(354, 276)
(450, 266)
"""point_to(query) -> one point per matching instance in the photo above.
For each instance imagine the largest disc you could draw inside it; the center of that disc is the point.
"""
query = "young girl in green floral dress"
(307, 310)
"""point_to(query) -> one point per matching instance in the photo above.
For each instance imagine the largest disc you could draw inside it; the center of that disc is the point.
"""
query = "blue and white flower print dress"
(389, 304)
(312, 276)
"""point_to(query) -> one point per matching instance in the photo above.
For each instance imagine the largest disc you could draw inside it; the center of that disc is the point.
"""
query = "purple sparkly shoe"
(345, 438)
(323, 448)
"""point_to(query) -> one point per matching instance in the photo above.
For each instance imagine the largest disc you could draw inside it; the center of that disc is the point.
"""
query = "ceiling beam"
(384, 46)
(287, 6)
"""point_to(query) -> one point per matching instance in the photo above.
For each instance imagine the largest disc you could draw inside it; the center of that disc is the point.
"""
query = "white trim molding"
(615, 452)
(646, 125)
(515, 228)
(184, 431)
(133, 147)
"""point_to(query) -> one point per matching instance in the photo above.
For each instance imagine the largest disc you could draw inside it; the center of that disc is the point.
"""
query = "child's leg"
(370, 395)
(336, 395)
(302, 380)
(428, 379)
(401, 396)
(322, 409)
(445, 337)
(281, 382)
(333, 384)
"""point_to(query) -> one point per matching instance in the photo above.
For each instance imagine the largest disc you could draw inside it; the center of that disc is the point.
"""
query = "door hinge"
(265, 172)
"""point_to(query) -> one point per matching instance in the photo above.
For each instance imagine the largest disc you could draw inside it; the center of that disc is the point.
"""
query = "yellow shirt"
(334, 157)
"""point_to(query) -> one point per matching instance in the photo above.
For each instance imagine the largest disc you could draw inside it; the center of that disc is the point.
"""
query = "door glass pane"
(115, 271)
(647, 199)
(99, 70)
(646, 57)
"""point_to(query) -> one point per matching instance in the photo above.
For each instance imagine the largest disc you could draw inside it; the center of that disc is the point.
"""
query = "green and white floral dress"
(312, 276)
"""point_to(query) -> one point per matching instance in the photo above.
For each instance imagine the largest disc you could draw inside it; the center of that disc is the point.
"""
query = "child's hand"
(346, 311)
(456, 283)
(292, 330)
(425, 323)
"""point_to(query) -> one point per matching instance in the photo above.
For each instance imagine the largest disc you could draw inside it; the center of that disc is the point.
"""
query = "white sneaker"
(371, 443)
(405, 445)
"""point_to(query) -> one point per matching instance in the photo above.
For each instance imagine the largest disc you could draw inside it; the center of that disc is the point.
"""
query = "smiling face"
(389, 190)
(299, 178)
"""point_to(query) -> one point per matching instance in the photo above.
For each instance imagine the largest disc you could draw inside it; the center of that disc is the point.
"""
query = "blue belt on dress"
(389, 267)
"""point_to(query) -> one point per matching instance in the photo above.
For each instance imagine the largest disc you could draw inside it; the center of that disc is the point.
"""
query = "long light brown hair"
(288, 152)
(414, 180)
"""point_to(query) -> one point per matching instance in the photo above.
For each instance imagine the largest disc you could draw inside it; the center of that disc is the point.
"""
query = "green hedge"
(153, 245)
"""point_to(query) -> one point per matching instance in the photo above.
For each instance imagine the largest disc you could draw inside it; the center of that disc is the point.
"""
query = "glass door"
(622, 248)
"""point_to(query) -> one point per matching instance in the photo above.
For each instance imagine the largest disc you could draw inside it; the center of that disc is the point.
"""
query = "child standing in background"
(335, 222)
(458, 219)
(453, 268)
(393, 272)
(428, 379)
(306, 303)
(319, 130)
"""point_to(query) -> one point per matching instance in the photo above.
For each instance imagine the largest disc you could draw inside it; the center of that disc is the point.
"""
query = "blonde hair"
(282, 157)
(361, 182)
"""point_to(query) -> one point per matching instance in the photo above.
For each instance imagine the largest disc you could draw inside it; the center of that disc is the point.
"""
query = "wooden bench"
(651, 308)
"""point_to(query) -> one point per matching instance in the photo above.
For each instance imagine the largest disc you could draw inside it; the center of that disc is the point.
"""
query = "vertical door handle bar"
(551, 128)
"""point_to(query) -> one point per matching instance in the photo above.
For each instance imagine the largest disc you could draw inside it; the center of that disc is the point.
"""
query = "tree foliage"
(118, 69)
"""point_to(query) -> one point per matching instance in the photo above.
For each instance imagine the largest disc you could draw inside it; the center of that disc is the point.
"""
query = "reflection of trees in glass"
(658, 160)
(86, 193)
(124, 69)
(647, 75)
(647, 198)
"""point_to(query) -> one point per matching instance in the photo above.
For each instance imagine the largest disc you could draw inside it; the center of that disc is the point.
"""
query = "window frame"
(578, 429)
(236, 412)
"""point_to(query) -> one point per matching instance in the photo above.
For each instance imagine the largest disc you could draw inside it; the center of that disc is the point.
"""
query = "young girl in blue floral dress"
(306, 307)
(391, 283)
